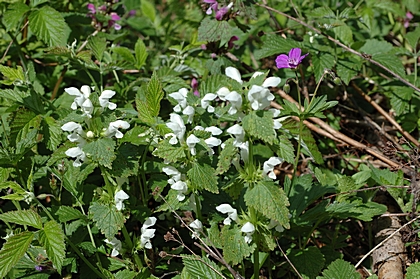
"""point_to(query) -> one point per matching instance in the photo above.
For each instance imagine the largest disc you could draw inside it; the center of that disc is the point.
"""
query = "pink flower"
(194, 85)
(291, 61)
(91, 8)
(408, 16)
(112, 22)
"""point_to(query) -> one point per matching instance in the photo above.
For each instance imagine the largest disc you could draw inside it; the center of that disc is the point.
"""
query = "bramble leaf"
(340, 269)
(308, 262)
(14, 249)
(273, 44)
(212, 30)
(141, 53)
(14, 15)
(67, 213)
(322, 62)
(52, 239)
(12, 75)
(23, 217)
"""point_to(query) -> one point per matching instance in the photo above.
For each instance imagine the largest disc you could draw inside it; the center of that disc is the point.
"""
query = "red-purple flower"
(194, 85)
(292, 60)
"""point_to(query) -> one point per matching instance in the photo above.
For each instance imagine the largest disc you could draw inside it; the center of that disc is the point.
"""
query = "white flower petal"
(214, 130)
(233, 73)
(271, 82)
(196, 225)
(248, 228)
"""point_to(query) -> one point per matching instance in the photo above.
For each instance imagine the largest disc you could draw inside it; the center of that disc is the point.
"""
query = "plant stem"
(299, 136)
(130, 245)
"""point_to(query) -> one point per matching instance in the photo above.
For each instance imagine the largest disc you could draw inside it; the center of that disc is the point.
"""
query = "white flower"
(275, 224)
(173, 173)
(213, 130)
(212, 142)
(192, 140)
(119, 197)
(176, 182)
(232, 213)
(233, 73)
(81, 95)
(181, 98)
(190, 112)
(146, 233)
(182, 188)
(222, 93)
(259, 97)
(76, 152)
(197, 226)
(116, 246)
(236, 101)
(177, 125)
(244, 147)
(239, 134)
(249, 229)
(114, 126)
(104, 99)
(76, 130)
(205, 102)
(269, 165)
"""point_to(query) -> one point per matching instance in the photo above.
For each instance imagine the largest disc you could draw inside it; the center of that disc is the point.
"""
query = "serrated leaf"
(373, 46)
(413, 37)
(107, 218)
(356, 209)
(347, 69)
(14, 249)
(169, 152)
(260, 125)
(343, 32)
(235, 249)
(52, 133)
(13, 95)
(52, 239)
(12, 75)
(200, 267)
(154, 95)
(322, 62)
(67, 213)
(23, 217)
(275, 45)
(212, 84)
(286, 149)
(270, 200)
(141, 53)
(49, 26)
(212, 30)
(400, 98)
(101, 151)
(324, 12)
(148, 9)
(340, 269)
(98, 45)
(172, 202)
(390, 61)
(85, 56)
(226, 155)
(14, 15)
(413, 271)
(125, 54)
(308, 262)
(203, 176)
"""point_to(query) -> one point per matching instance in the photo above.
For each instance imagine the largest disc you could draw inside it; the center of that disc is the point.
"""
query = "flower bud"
(286, 88)
(90, 135)
(337, 81)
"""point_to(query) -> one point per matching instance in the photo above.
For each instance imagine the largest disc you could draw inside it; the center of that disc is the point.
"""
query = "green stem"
(130, 245)
(316, 88)
(142, 178)
(256, 263)
(299, 136)
(198, 207)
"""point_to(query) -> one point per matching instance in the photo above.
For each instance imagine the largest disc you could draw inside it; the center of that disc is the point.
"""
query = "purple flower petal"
(91, 8)
(291, 61)
(115, 17)
(282, 61)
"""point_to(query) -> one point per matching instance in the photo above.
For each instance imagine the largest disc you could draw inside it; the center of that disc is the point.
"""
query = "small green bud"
(337, 81)
(286, 88)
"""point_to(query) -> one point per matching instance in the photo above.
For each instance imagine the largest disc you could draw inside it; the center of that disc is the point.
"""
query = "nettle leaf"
(12, 75)
(14, 249)
(213, 83)
(127, 161)
(107, 218)
(98, 45)
(199, 267)
(141, 53)
(285, 149)
(340, 269)
(413, 271)
(308, 262)
(52, 239)
(14, 15)
(52, 132)
(49, 26)
(226, 156)
(169, 152)
(148, 100)
(269, 199)
(172, 202)
(67, 213)
(275, 45)
(235, 249)
(101, 151)
(212, 30)
(23, 217)
(260, 125)
(203, 176)
(322, 62)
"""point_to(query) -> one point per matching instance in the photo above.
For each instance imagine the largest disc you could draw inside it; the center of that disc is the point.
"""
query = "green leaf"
(347, 69)
(169, 152)
(340, 269)
(411, 37)
(49, 26)
(269, 199)
(322, 62)
(125, 274)
(308, 262)
(286, 150)
(213, 83)
(14, 249)
(13, 95)
(203, 176)
(400, 98)
(52, 132)
(127, 161)
(200, 267)
(324, 12)
(260, 125)
(23, 217)
(373, 46)
(343, 32)
(275, 45)
(52, 239)
(107, 218)
(101, 151)
(413, 271)
(235, 249)
(67, 213)
(14, 15)
(148, 100)
(212, 30)
(141, 53)
(226, 156)
(12, 75)
(390, 61)
(148, 9)
(98, 45)
(356, 209)
(125, 54)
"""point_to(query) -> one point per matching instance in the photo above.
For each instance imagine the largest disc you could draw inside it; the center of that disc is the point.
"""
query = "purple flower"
(408, 17)
(194, 85)
(230, 43)
(213, 6)
(40, 268)
(91, 8)
(291, 61)
(220, 13)
(112, 22)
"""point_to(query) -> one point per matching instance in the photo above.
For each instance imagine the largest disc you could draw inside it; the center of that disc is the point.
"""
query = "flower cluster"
(96, 22)
(146, 233)
(219, 12)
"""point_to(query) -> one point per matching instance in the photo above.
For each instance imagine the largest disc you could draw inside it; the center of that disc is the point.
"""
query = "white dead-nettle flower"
(176, 182)
(215, 131)
(239, 134)
(276, 225)
(104, 99)
(260, 96)
(116, 246)
(177, 125)
(222, 93)
(235, 100)
(182, 188)
(227, 209)
(119, 198)
(191, 141)
(181, 98)
(269, 165)
(82, 99)
(146, 233)
(233, 73)
(189, 110)
(244, 147)
(76, 129)
(197, 226)
(249, 229)
(78, 153)
(207, 99)
(113, 128)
